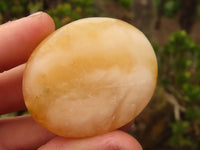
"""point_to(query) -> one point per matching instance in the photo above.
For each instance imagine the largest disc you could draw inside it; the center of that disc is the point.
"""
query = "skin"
(17, 40)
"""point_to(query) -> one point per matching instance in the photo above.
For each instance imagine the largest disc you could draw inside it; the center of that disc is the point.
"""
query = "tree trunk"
(160, 14)
(144, 15)
(187, 14)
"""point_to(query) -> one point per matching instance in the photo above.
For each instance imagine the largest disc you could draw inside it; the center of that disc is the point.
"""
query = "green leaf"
(64, 9)
(171, 7)
(193, 113)
(180, 127)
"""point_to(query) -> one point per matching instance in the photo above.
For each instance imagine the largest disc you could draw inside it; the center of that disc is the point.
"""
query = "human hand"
(17, 40)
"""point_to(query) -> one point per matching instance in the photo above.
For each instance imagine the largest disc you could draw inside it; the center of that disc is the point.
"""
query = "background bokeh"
(171, 121)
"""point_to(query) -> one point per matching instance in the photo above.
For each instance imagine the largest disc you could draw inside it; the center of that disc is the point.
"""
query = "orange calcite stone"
(90, 77)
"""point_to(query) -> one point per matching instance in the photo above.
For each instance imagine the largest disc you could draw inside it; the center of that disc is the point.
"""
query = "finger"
(19, 38)
(11, 98)
(22, 133)
(17, 41)
(116, 140)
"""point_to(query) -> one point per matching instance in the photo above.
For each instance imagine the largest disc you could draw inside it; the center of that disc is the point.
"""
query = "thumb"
(116, 140)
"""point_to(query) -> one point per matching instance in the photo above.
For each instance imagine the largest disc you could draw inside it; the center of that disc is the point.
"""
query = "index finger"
(19, 38)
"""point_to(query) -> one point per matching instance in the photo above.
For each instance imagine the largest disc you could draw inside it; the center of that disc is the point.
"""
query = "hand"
(17, 40)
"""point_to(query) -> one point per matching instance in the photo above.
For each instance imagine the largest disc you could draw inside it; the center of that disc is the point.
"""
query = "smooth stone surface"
(89, 77)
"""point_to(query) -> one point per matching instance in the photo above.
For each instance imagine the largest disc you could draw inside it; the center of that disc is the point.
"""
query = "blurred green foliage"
(171, 7)
(179, 73)
(33, 7)
(198, 12)
(14, 7)
(72, 10)
(8, 115)
(124, 3)
(180, 132)
(62, 13)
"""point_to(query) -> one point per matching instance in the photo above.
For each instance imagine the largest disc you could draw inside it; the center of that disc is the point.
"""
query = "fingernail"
(36, 14)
